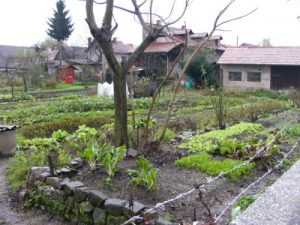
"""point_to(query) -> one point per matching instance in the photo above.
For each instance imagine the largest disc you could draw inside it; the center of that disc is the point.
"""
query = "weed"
(242, 204)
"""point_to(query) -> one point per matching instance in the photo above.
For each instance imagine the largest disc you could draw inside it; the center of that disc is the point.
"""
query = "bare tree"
(103, 36)
(217, 24)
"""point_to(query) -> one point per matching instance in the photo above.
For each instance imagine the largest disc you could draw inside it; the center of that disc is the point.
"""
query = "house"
(95, 54)
(160, 54)
(275, 68)
(11, 58)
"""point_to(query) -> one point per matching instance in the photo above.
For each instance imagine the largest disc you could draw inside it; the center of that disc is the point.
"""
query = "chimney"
(114, 40)
(158, 22)
(183, 27)
(89, 41)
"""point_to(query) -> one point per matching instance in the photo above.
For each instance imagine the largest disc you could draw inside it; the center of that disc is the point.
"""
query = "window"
(254, 76)
(235, 76)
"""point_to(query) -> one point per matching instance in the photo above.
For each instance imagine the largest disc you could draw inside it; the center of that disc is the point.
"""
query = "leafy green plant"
(32, 153)
(293, 130)
(209, 142)
(205, 163)
(112, 158)
(242, 204)
(91, 154)
(169, 135)
(145, 176)
(60, 135)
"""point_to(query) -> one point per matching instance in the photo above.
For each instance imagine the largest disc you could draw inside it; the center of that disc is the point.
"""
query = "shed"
(66, 71)
(275, 68)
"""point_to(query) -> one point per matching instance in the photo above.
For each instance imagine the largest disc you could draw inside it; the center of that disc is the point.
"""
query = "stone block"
(99, 216)
(134, 209)
(80, 194)
(54, 182)
(85, 208)
(96, 198)
(115, 207)
(69, 187)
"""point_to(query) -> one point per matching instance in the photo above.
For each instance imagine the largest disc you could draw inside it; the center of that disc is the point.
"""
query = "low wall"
(79, 204)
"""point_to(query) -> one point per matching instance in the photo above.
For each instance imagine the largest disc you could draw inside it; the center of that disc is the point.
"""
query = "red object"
(69, 79)
(65, 71)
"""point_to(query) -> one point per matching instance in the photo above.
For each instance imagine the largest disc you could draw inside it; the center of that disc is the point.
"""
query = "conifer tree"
(60, 25)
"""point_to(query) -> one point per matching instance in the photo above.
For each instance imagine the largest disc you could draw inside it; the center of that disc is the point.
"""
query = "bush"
(205, 163)
(202, 72)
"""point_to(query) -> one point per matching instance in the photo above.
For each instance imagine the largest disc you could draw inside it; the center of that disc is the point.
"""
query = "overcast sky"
(24, 22)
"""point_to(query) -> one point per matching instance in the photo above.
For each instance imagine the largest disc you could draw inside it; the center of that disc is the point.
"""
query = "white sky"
(24, 22)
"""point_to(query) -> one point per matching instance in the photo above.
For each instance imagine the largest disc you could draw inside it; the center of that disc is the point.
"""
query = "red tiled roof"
(261, 56)
(161, 47)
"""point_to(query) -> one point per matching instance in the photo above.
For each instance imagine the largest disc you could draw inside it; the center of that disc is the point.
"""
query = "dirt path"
(11, 216)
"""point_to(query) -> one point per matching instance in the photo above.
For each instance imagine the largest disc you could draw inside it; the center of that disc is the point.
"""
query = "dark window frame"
(234, 76)
(254, 76)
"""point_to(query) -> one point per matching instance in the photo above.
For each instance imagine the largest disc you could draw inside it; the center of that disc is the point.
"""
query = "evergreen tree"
(60, 25)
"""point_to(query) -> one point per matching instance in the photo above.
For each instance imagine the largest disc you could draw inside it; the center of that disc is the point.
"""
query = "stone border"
(78, 203)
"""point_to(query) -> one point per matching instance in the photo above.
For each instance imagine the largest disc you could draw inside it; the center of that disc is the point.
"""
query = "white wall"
(244, 84)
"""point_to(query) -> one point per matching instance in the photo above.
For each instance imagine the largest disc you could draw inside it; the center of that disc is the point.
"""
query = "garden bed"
(173, 177)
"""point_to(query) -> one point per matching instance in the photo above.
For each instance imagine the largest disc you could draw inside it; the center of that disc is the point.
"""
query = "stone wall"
(79, 204)
(244, 84)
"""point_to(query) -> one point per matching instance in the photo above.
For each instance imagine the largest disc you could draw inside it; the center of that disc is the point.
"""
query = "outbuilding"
(275, 68)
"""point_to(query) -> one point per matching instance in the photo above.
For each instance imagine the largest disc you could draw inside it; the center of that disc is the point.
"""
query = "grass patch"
(206, 164)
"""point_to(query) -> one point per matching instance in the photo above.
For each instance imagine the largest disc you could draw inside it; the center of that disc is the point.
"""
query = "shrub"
(219, 103)
(205, 163)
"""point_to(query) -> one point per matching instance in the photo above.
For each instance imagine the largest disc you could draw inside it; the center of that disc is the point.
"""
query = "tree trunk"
(120, 101)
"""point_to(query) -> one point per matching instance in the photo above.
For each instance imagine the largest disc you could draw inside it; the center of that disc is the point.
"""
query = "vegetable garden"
(193, 148)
